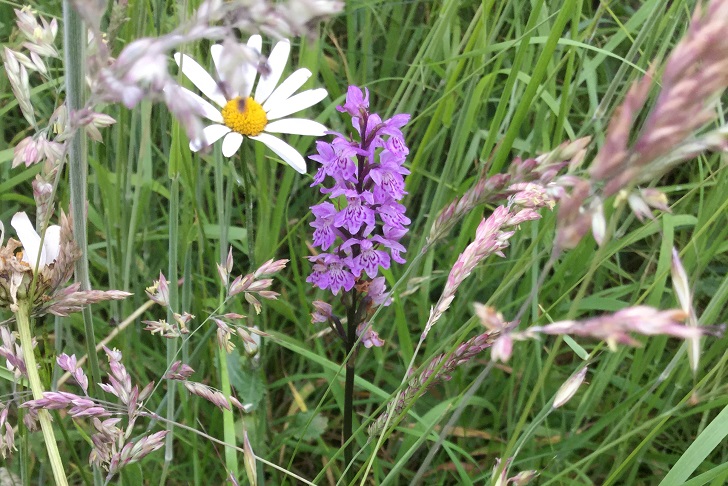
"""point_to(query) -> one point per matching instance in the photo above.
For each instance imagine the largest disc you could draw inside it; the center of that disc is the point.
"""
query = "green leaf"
(246, 381)
(709, 439)
(308, 426)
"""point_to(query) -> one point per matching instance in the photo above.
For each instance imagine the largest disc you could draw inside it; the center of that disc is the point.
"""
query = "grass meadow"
(484, 82)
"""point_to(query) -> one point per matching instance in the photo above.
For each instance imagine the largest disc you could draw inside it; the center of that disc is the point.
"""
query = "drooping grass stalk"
(74, 41)
(22, 317)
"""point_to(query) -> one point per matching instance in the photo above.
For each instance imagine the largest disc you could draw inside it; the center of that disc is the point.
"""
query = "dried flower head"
(38, 271)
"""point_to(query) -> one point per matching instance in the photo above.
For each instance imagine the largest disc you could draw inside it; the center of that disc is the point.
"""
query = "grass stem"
(74, 39)
(22, 316)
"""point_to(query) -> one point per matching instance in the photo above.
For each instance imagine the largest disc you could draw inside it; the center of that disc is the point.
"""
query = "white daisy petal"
(212, 133)
(296, 103)
(277, 62)
(287, 88)
(29, 238)
(231, 143)
(208, 111)
(52, 243)
(216, 53)
(297, 126)
(250, 70)
(284, 151)
(200, 78)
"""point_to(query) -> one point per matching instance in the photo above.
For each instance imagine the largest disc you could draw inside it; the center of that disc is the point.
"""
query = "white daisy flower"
(259, 115)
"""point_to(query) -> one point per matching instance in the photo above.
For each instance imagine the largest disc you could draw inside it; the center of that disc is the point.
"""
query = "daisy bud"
(569, 388)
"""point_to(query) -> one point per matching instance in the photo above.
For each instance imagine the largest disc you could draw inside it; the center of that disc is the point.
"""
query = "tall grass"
(484, 82)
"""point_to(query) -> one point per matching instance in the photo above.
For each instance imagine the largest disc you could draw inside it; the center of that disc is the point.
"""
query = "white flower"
(259, 115)
(31, 241)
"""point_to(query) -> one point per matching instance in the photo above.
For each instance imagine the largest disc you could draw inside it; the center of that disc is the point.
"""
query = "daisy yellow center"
(245, 116)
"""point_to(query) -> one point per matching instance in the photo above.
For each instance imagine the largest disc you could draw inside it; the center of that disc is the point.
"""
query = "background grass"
(484, 81)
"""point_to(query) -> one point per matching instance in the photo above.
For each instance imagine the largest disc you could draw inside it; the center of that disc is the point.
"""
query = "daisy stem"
(74, 41)
(349, 388)
(223, 197)
(22, 317)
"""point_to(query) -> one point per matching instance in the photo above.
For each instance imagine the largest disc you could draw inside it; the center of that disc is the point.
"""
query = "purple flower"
(377, 292)
(324, 234)
(368, 336)
(369, 173)
(356, 102)
(336, 161)
(356, 213)
(392, 214)
(368, 258)
(388, 178)
(330, 272)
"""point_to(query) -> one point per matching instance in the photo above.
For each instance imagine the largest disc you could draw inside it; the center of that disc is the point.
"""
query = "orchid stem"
(22, 317)
(349, 389)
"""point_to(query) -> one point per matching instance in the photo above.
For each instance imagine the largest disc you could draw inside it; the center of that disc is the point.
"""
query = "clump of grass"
(567, 214)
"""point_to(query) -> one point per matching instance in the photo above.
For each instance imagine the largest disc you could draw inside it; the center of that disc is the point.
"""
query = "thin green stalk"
(249, 226)
(228, 420)
(74, 40)
(173, 300)
(22, 316)
(349, 389)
